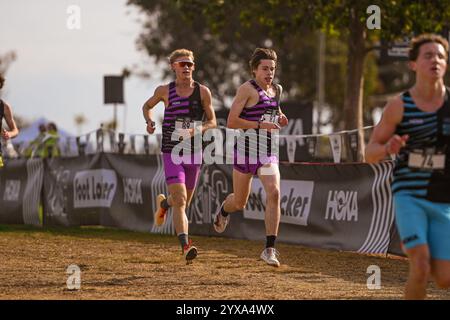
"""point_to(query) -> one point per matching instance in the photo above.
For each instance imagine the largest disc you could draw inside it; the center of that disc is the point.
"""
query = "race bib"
(270, 116)
(182, 125)
(426, 159)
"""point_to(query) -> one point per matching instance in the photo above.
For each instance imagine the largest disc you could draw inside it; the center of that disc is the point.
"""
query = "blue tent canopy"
(31, 132)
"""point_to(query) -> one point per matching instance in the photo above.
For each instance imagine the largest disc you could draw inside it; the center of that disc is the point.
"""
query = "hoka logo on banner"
(12, 190)
(342, 205)
(295, 201)
(132, 191)
(94, 188)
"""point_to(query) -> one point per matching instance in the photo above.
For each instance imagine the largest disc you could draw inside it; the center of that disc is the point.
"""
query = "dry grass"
(119, 264)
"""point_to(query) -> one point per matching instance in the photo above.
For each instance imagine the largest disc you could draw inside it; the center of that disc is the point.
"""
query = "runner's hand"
(283, 120)
(395, 143)
(5, 134)
(150, 127)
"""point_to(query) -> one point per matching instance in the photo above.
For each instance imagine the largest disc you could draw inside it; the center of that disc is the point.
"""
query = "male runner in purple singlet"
(186, 104)
(255, 109)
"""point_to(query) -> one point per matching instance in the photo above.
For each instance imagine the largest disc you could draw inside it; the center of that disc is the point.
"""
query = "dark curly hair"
(260, 54)
(2, 81)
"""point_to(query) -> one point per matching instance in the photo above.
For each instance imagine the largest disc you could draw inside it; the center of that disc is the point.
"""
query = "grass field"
(117, 264)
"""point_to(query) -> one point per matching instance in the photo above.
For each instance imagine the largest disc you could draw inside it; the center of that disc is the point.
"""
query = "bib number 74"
(426, 160)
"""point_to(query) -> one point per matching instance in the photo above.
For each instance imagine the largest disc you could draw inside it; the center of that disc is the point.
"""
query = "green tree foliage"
(224, 33)
(344, 17)
(224, 38)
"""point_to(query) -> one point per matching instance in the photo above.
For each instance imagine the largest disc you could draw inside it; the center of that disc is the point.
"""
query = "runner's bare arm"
(157, 97)
(383, 140)
(282, 120)
(243, 96)
(210, 122)
(13, 130)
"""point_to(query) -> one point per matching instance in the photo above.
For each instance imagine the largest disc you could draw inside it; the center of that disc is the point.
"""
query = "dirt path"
(126, 265)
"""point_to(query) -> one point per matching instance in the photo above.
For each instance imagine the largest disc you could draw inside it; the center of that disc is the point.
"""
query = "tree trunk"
(353, 105)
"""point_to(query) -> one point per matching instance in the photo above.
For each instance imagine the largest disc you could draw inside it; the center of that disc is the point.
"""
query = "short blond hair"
(180, 53)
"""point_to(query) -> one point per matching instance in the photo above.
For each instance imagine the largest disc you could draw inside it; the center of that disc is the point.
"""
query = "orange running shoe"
(160, 213)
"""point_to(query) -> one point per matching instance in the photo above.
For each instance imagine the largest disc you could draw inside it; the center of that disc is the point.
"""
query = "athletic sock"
(223, 212)
(270, 241)
(183, 237)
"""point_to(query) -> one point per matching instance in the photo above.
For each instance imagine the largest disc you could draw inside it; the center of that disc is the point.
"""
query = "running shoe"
(160, 213)
(270, 256)
(220, 222)
(189, 252)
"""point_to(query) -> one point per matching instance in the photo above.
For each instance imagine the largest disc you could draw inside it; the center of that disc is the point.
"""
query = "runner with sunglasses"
(187, 103)
(415, 126)
(256, 108)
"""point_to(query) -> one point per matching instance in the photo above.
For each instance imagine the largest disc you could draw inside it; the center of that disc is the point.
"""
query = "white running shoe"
(220, 222)
(270, 256)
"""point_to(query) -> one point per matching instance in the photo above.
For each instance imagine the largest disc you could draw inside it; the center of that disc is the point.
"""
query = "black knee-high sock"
(270, 241)
(184, 240)
(165, 204)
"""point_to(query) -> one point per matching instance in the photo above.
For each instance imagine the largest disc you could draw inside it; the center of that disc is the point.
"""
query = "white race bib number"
(270, 116)
(181, 124)
(428, 161)
(181, 128)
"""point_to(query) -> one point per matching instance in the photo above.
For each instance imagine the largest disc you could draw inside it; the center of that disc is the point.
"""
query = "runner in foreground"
(415, 126)
(186, 103)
